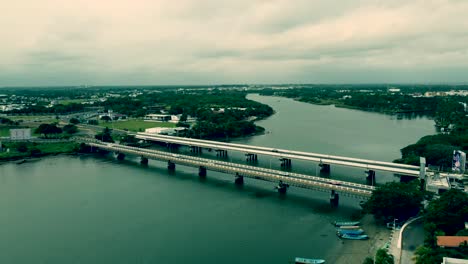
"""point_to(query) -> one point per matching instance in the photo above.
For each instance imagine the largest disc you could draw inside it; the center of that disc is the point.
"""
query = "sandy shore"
(355, 251)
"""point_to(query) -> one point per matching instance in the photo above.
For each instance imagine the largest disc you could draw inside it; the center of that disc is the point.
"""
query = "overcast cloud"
(98, 42)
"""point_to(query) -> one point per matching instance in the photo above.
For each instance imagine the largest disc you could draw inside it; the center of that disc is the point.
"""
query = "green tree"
(383, 257)
(105, 135)
(74, 121)
(22, 147)
(450, 212)
(368, 260)
(47, 129)
(70, 129)
(395, 200)
(106, 118)
(425, 255)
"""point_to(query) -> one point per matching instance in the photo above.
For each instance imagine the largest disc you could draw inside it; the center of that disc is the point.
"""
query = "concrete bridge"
(281, 178)
(286, 156)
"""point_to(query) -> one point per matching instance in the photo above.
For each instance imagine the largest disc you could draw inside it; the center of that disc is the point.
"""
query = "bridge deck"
(343, 161)
(293, 179)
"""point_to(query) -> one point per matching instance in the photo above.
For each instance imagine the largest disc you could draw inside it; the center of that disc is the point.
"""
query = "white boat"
(308, 261)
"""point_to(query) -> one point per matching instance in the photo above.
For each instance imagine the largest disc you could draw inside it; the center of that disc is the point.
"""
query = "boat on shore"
(308, 261)
(353, 237)
(350, 223)
(350, 231)
(349, 227)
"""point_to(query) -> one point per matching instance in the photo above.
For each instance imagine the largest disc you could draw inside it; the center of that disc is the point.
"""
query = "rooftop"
(451, 241)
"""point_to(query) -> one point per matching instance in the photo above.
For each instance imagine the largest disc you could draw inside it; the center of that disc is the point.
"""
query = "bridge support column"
(120, 156)
(370, 178)
(144, 161)
(221, 153)
(285, 163)
(251, 157)
(202, 172)
(334, 198)
(239, 179)
(173, 146)
(324, 168)
(170, 165)
(195, 149)
(282, 187)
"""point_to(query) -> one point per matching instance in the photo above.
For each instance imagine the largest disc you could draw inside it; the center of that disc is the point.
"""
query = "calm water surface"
(97, 210)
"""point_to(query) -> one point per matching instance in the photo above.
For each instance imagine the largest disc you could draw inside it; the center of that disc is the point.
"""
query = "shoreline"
(355, 251)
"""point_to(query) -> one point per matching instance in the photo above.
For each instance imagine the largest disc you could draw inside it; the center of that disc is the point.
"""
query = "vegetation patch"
(32, 149)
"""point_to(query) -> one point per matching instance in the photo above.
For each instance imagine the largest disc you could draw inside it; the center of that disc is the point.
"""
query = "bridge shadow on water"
(313, 200)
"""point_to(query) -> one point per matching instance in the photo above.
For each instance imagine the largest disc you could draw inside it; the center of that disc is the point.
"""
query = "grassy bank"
(21, 150)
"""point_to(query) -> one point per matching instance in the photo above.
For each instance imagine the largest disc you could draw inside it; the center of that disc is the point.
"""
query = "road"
(413, 237)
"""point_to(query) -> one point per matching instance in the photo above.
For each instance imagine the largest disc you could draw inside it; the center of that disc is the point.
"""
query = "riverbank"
(14, 151)
(355, 251)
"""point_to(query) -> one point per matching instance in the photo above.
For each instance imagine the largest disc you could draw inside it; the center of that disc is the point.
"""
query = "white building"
(165, 130)
(157, 117)
(20, 134)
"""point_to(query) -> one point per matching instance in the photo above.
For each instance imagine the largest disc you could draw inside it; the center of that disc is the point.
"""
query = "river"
(93, 209)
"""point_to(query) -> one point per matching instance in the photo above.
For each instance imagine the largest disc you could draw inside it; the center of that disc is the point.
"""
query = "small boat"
(355, 223)
(350, 227)
(350, 231)
(354, 237)
(308, 261)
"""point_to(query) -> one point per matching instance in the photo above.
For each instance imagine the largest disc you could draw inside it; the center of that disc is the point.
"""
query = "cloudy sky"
(98, 42)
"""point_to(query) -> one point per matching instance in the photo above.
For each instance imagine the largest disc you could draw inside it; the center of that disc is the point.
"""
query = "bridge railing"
(247, 172)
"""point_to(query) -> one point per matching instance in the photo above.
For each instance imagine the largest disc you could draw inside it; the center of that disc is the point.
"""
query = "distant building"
(157, 117)
(447, 260)
(113, 116)
(165, 130)
(20, 134)
(437, 184)
(451, 241)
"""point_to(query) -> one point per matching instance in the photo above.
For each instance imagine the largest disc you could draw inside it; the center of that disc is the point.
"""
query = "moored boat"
(354, 237)
(350, 223)
(308, 261)
(350, 227)
(350, 231)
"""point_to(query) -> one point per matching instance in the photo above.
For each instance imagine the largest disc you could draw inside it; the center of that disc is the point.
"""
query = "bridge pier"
(324, 168)
(221, 153)
(144, 161)
(170, 165)
(282, 187)
(172, 146)
(334, 198)
(120, 156)
(251, 157)
(202, 172)
(285, 163)
(196, 149)
(239, 179)
(370, 178)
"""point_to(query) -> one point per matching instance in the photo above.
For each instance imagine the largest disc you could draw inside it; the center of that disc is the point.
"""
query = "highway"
(289, 154)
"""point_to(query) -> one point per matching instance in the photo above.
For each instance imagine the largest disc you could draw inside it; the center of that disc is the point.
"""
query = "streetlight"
(394, 222)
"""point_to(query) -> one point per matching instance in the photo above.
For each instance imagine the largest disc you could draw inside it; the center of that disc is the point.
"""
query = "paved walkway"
(404, 242)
